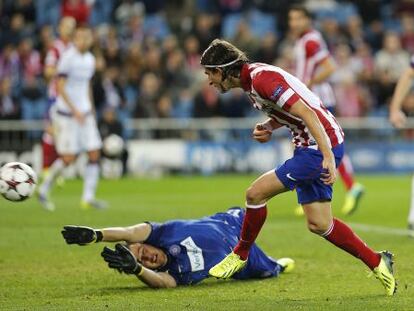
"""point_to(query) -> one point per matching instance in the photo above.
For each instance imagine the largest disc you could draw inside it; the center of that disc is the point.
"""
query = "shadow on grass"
(210, 283)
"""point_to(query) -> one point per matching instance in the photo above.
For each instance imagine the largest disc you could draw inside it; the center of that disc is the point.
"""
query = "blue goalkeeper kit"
(194, 246)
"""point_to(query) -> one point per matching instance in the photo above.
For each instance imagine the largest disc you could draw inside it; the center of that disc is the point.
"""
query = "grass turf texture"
(38, 271)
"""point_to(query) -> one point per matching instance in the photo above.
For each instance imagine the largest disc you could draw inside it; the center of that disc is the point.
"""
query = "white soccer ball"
(17, 181)
(113, 145)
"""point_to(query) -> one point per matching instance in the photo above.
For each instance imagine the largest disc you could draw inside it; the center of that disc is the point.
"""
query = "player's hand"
(121, 259)
(81, 235)
(397, 118)
(262, 132)
(80, 117)
(328, 175)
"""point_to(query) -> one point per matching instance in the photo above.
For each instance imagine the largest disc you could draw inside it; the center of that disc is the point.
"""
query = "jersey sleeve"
(272, 86)
(156, 234)
(63, 66)
(316, 50)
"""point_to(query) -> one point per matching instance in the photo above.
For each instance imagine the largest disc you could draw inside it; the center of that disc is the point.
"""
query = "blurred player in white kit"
(66, 28)
(73, 119)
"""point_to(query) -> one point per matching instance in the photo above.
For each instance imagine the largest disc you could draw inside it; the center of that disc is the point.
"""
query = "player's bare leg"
(321, 222)
(91, 178)
(54, 171)
(262, 189)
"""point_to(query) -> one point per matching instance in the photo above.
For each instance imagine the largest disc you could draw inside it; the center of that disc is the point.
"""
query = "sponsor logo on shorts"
(288, 175)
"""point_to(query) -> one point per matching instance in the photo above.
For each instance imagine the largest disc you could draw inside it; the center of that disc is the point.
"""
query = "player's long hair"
(222, 54)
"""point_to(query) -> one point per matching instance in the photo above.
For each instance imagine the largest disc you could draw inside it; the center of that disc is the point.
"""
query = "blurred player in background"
(398, 119)
(177, 252)
(314, 66)
(319, 148)
(60, 45)
(73, 118)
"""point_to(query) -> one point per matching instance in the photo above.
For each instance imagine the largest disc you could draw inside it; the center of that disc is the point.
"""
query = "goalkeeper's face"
(149, 256)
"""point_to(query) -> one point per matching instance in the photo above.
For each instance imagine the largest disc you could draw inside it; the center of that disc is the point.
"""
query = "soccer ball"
(113, 145)
(17, 181)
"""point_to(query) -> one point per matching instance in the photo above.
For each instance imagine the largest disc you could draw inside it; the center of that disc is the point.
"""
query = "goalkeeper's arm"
(85, 235)
(156, 279)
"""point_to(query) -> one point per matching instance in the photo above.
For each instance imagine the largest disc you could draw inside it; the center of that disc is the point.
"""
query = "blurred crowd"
(148, 52)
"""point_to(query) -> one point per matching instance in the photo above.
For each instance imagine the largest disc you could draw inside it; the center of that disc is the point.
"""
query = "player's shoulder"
(265, 73)
(90, 55)
(311, 38)
(312, 35)
(69, 53)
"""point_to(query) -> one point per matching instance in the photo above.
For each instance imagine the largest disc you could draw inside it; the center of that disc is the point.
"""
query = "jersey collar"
(245, 79)
(305, 32)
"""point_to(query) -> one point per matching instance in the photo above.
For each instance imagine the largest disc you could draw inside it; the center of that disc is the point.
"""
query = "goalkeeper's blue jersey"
(195, 246)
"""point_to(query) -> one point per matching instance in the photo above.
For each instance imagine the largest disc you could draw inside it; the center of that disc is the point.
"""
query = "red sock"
(48, 151)
(252, 223)
(343, 237)
(347, 173)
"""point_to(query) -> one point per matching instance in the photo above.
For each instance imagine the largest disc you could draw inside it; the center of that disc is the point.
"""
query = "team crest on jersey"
(174, 250)
(276, 93)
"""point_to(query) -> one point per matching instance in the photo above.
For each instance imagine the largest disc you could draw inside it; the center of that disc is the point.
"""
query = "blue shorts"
(303, 172)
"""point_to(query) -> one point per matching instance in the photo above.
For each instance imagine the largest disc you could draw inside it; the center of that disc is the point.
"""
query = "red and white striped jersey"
(310, 50)
(52, 58)
(274, 91)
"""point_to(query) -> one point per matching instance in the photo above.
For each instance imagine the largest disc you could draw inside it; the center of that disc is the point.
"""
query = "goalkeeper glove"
(121, 259)
(81, 235)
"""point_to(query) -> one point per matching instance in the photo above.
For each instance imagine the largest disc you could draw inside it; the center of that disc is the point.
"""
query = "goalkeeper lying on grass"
(177, 252)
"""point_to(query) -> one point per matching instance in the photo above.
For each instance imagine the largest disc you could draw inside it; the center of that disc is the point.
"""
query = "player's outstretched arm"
(131, 234)
(122, 260)
(85, 235)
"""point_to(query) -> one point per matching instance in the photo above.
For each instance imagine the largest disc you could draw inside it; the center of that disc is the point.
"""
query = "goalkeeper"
(178, 252)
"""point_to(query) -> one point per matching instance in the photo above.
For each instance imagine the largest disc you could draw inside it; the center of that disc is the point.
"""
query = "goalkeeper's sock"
(54, 171)
(252, 223)
(343, 237)
(90, 182)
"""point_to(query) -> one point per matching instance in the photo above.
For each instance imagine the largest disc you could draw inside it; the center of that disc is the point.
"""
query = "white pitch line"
(380, 229)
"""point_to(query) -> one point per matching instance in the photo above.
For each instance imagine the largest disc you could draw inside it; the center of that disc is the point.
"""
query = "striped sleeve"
(316, 50)
(272, 86)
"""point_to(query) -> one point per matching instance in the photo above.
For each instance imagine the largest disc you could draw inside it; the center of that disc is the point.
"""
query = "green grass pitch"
(38, 271)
